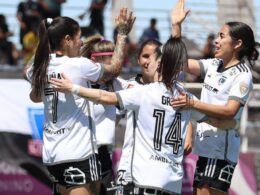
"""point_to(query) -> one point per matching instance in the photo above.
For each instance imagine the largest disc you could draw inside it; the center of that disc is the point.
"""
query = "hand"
(187, 146)
(124, 22)
(178, 13)
(62, 85)
(183, 100)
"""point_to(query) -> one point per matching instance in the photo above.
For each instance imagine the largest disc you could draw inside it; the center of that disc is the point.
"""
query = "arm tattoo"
(117, 59)
(123, 29)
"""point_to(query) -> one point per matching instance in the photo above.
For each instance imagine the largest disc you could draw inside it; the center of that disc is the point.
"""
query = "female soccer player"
(69, 145)
(226, 88)
(100, 50)
(159, 129)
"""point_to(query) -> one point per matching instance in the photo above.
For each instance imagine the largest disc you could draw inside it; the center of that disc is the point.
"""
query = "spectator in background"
(29, 15)
(30, 41)
(4, 26)
(151, 32)
(51, 8)
(8, 53)
(96, 11)
(208, 50)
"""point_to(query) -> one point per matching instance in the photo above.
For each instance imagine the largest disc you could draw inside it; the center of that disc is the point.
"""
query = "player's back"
(159, 136)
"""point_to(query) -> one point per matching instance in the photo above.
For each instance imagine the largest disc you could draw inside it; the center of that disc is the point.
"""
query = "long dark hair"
(174, 57)
(51, 34)
(240, 30)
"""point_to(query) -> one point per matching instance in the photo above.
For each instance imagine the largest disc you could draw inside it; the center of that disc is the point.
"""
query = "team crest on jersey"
(217, 62)
(243, 87)
(222, 80)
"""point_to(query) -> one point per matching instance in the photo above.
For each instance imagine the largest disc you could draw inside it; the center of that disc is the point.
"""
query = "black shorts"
(76, 173)
(216, 173)
(107, 181)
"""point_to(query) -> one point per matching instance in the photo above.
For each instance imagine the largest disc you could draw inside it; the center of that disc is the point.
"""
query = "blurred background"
(21, 171)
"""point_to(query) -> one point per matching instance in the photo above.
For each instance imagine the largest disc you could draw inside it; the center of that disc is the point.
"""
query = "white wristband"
(75, 89)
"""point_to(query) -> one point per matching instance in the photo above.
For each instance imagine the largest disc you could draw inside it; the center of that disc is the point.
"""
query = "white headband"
(49, 21)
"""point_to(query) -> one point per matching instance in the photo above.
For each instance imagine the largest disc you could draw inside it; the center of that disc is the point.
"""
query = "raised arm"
(178, 15)
(124, 23)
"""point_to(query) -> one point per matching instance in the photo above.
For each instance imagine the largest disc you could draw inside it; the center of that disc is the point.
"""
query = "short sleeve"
(205, 65)
(242, 87)
(129, 99)
(90, 70)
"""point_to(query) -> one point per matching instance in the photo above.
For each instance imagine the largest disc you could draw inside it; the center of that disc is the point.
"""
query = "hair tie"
(49, 21)
(97, 54)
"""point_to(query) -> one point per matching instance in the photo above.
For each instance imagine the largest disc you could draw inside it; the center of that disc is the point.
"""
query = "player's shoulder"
(242, 67)
(240, 70)
(215, 62)
(136, 80)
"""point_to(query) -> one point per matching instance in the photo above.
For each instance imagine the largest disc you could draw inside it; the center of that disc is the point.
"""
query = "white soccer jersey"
(220, 86)
(124, 167)
(105, 115)
(159, 136)
(69, 129)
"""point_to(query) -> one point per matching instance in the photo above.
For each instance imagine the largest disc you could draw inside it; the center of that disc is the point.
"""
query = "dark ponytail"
(51, 35)
(42, 58)
(174, 57)
(255, 54)
(241, 31)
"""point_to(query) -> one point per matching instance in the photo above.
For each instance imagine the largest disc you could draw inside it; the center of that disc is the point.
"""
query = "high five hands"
(179, 13)
(124, 22)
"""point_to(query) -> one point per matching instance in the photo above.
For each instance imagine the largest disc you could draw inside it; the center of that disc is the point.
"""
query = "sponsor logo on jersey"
(243, 87)
(162, 159)
(55, 132)
(210, 88)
